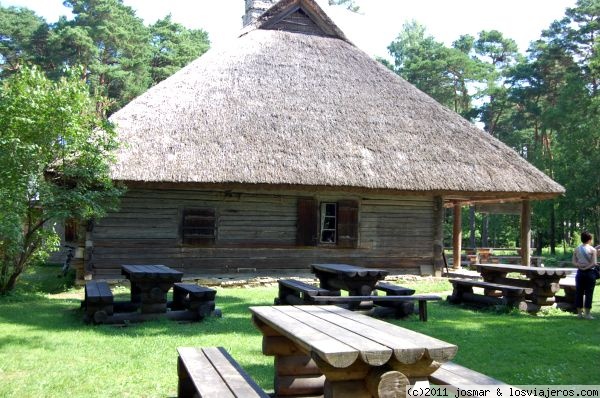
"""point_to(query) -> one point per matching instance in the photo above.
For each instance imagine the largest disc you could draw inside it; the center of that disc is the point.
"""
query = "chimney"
(255, 8)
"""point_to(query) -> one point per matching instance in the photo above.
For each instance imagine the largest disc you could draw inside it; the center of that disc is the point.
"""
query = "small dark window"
(198, 227)
(328, 222)
(70, 230)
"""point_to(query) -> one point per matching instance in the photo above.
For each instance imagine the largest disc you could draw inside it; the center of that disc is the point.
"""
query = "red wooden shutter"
(198, 227)
(347, 227)
(308, 223)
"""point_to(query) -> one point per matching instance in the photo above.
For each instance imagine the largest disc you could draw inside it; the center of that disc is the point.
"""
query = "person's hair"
(586, 237)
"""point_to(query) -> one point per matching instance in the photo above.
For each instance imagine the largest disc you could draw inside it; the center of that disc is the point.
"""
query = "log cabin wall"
(258, 232)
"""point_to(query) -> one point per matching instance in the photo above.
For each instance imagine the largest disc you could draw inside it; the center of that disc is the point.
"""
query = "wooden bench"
(394, 290)
(294, 292)
(401, 308)
(212, 373)
(195, 298)
(512, 296)
(98, 302)
(380, 300)
(566, 302)
(457, 376)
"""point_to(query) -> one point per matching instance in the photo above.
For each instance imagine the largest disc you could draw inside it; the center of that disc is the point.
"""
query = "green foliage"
(443, 73)
(545, 106)
(111, 42)
(174, 46)
(121, 57)
(22, 38)
(54, 164)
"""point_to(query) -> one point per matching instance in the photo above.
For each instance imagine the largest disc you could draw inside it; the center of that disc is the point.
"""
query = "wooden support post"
(457, 236)
(526, 233)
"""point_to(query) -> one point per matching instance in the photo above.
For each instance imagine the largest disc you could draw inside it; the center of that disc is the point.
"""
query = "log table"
(357, 281)
(150, 284)
(334, 352)
(543, 280)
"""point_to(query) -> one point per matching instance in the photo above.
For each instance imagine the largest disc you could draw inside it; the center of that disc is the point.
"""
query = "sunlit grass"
(47, 351)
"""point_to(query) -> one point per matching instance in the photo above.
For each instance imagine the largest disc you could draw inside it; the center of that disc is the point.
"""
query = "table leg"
(153, 297)
(296, 374)
(362, 381)
(136, 293)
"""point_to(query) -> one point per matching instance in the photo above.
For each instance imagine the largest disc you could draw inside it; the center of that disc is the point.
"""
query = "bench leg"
(185, 386)
(423, 310)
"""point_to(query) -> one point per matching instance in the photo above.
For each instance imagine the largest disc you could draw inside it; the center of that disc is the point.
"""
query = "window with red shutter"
(307, 223)
(327, 223)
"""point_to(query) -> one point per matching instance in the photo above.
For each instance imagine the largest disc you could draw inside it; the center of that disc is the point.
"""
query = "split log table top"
(543, 280)
(358, 281)
(357, 354)
(150, 284)
(528, 271)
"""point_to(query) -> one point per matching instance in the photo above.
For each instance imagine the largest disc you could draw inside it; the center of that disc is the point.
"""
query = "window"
(70, 230)
(328, 222)
(198, 227)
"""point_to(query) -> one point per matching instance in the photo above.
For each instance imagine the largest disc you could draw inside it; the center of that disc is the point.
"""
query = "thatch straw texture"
(282, 108)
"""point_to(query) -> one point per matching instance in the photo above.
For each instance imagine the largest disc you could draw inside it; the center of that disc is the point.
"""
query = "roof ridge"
(284, 8)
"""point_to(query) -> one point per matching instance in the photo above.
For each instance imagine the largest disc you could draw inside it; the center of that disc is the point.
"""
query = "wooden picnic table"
(544, 281)
(357, 281)
(327, 350)
(150, 284)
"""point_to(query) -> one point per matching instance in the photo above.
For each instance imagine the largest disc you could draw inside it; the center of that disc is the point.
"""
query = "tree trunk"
(472, 226)
(484, 230)
(552, 228)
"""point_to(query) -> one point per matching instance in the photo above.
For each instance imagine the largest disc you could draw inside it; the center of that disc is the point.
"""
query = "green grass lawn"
(47, 351)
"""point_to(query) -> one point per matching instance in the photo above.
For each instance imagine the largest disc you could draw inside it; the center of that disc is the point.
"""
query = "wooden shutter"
(347, 227)
(198, 227)
(308, 224)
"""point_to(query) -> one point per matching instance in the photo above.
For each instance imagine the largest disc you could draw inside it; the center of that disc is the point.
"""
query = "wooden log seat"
(394, 290)
(566, 302)
(456, 376)
(294, 292)
(401, 308)
(195, 298)
(386, 300)
(212, 373)
(98, 303)
(512, 296)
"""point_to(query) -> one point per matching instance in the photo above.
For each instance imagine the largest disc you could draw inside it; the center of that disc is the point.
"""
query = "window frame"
(200, 216)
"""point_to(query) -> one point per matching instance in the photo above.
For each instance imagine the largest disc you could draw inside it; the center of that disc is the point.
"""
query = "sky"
(372, 30)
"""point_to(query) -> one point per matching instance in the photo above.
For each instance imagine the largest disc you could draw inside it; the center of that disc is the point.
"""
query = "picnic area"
(44, 339)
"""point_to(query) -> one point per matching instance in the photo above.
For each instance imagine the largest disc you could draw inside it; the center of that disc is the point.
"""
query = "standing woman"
(584, 258)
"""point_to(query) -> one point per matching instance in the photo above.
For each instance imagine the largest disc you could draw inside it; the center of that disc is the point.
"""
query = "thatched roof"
(279, 107)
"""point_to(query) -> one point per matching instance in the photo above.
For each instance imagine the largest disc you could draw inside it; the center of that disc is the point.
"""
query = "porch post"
(457, 236)
(526, 232)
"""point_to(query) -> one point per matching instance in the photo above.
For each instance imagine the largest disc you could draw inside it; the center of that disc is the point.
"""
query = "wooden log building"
(292, 146)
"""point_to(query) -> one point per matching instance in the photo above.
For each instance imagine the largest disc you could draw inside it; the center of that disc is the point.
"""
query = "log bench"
(98, 301)
(195, 298)
(394, 290)
(456, 376)
(400, 308)
(294, 292)
(401, 299)
(212, 373)
(566, 302)
(511, 296)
